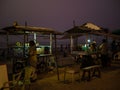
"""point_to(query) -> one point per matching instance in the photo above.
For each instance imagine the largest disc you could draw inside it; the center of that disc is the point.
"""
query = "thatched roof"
(91, 26)
(28, 29)
(76, 29)
(85, 28)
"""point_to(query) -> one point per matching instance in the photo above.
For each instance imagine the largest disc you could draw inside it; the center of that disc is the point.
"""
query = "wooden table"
(43, 61)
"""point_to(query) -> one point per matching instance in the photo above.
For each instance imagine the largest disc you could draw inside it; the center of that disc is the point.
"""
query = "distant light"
(88, 40)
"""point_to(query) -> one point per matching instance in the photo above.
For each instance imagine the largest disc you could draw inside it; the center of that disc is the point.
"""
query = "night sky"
(59, 14)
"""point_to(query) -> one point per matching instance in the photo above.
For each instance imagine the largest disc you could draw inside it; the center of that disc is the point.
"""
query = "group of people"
(101, 50)
(98, 52)
(106, 51)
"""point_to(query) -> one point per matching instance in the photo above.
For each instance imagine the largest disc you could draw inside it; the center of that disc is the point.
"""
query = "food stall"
(22, 49)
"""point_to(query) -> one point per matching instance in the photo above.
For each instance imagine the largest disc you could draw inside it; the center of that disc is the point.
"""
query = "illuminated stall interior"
(83, 30)
(26, 31)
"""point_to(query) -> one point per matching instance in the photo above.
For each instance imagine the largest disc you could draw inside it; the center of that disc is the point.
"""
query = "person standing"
(104, 53)
(32, 54)
(113, 48)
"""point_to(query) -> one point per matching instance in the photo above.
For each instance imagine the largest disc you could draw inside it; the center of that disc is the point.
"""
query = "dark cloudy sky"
(59, 14)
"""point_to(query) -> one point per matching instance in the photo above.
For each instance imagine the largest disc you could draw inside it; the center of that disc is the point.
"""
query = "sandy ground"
(110, 80)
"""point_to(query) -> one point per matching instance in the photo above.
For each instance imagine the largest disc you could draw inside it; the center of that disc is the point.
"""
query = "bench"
(91, 71)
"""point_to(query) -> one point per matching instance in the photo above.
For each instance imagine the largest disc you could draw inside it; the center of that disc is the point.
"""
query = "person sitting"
(92, 48)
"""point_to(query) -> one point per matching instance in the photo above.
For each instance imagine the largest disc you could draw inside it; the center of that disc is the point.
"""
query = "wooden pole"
(35, 37)
(71, 43)
(24, 45)
(56, 58)
(50, 43)
(7, 44)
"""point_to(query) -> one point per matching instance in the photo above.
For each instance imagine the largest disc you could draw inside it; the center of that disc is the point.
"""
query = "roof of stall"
(29, 29)
(85, 28)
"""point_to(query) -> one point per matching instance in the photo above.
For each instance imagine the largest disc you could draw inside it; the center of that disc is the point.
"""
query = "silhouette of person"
(32, 54)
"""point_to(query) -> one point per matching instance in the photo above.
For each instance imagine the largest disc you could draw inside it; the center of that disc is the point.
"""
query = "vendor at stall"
(32, 54)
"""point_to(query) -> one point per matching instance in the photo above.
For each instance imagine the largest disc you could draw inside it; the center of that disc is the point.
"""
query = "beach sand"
(110, 80)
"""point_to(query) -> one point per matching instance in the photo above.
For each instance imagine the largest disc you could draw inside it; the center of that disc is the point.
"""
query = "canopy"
(85, 28)
(91, 26)
(27, 29)
(76, 30)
